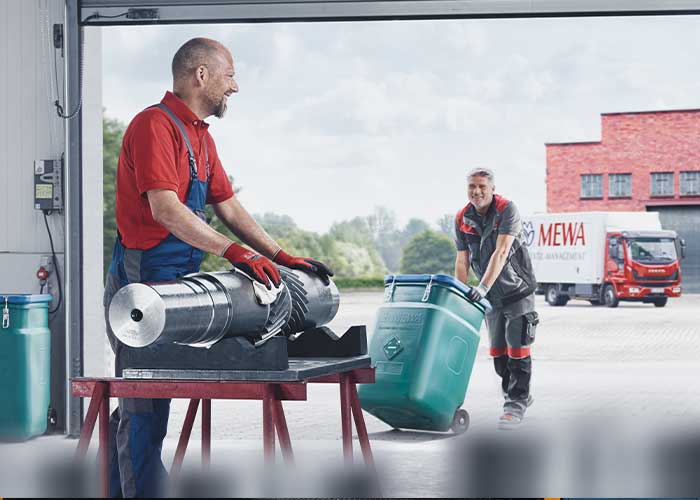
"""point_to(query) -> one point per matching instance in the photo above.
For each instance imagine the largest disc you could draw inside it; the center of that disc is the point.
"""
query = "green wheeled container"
(25, 363)
(423, 349)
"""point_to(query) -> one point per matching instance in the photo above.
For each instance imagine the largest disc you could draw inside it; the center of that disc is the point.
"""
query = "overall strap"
(181, 127)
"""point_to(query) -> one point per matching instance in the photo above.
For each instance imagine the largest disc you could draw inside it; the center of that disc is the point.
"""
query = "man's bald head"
(203, 76)
(198, 52)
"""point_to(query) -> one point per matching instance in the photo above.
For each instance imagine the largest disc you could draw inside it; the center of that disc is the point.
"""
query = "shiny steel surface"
(142, 298)
(313, 303)
(201, 309)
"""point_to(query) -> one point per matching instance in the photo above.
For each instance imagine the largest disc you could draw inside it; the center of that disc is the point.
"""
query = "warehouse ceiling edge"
(147, 12)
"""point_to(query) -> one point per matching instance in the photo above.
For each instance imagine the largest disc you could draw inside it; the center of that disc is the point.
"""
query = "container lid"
(25, 298)
(442, 279)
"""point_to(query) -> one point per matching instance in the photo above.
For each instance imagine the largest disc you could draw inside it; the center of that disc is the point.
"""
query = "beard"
(220, 109)
(217, 106)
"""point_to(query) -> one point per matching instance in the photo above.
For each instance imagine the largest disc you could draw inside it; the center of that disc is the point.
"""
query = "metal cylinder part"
(313, 303)
(201, 309)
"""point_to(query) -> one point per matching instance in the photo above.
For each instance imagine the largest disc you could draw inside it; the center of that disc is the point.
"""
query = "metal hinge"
(426, 294)
(389, 292)
(6, 316)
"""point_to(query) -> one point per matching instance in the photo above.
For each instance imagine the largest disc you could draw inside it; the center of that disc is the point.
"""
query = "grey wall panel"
(686, 222)
(28, 125)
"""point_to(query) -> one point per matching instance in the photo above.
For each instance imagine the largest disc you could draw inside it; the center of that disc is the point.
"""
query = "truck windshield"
(652, 250)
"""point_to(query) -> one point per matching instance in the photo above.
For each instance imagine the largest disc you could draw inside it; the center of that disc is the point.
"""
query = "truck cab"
(642, 266)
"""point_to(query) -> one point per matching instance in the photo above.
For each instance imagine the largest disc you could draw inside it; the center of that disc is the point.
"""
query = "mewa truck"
(604, 257)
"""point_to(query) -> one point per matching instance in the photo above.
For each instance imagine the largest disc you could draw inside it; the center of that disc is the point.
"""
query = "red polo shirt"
(154, 156)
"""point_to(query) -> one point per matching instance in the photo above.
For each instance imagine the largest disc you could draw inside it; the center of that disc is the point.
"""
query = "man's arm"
(462, 266)
(171, 213)
(168, 211)
(241, 223)
(498, 259)
(238, 220)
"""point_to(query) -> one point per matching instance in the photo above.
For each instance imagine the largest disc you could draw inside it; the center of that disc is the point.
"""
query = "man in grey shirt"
(488, 238)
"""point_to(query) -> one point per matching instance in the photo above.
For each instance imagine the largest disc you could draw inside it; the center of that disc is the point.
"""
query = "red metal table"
(271, 393)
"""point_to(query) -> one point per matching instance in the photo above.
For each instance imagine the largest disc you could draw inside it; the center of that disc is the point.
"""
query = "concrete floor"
(616, 401)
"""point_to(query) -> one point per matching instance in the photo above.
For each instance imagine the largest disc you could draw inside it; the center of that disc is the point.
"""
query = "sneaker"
(513, 413)
(509, 420)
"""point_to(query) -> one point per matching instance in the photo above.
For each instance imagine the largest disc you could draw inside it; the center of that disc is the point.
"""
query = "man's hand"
(304, 264)
(255, 265)
(478, 292)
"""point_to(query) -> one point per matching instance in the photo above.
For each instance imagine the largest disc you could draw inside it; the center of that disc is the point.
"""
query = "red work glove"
(255, 265)
(305, 264)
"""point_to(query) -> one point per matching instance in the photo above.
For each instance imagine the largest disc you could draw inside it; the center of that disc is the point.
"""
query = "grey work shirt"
(477, 234)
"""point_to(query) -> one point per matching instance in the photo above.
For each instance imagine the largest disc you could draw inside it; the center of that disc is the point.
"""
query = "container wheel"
(610, 296)
(660, 302)
(460, 422)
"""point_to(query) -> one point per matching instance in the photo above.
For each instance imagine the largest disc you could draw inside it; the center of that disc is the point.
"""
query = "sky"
(335, 119)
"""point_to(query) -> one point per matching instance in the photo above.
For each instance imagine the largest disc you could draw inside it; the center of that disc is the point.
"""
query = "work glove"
(254, 265)
(304, 264)
(478, 292)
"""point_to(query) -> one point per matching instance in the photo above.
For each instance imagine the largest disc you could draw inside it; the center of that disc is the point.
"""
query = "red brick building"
(646, 161)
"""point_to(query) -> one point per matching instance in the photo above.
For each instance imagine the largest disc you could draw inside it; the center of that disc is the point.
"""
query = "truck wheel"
(610, 296)
(553, 298)
(660, 302)
(460, 422)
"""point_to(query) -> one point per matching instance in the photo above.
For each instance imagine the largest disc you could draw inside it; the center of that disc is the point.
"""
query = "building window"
(662, 184)
(592, 186)
(690, 183)
(620, 185)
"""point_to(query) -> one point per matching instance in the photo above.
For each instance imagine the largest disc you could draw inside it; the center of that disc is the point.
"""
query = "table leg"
(206, 433)
(361, 427)
(104, 444)
(282, 431)
(268, 424)
(90, 419)
(345, 410)
(184, 438)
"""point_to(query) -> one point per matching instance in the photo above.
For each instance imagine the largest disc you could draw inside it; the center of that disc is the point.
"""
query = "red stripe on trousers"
(518, 352)
(497, 351)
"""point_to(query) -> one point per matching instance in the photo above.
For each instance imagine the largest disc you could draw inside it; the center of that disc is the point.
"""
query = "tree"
(446, 223)
(429, 252)
(112, 135)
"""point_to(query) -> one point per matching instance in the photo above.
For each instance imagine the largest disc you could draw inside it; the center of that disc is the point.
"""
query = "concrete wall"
(632, 143)
(30, 129)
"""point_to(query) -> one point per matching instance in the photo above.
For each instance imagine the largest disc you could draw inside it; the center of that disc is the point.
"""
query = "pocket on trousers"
(530, 322)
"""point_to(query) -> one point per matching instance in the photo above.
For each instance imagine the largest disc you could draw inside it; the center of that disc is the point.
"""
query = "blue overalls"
(138, 426)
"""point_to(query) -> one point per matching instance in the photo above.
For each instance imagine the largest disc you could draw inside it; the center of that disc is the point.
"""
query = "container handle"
(389, 293)
(426, 294)
(6, 316)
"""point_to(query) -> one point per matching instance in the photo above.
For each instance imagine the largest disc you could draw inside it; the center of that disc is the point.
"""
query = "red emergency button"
(42, 274)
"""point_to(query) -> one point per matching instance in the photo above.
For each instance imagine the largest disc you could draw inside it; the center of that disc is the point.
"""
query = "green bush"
(372, 282)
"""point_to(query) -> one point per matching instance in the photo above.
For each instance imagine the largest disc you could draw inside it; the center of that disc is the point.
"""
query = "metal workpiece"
(313, 303)
(200, 309)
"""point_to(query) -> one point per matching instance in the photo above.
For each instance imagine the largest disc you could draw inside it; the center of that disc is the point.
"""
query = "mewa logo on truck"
(604, 257)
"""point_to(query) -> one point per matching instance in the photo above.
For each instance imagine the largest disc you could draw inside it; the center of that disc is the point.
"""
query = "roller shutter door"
(685, 220)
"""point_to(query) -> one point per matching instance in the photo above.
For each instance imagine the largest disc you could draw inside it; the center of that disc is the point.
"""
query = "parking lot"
(636, 359)
(598, 373)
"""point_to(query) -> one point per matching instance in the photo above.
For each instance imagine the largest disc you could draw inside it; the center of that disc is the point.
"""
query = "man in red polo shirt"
(168, 172)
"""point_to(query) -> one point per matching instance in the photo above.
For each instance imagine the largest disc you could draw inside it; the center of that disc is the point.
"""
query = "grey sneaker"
(513, 413)
(510, 419)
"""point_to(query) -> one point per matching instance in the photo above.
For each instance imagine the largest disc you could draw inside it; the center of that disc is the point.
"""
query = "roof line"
(682, 110)
(571, 143)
